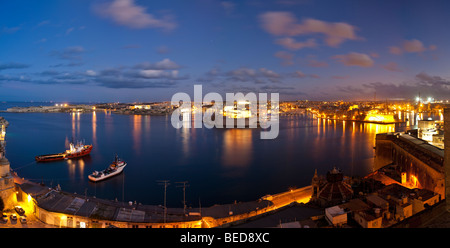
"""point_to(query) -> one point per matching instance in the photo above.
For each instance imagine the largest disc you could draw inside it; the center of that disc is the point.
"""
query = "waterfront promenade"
(47, 207)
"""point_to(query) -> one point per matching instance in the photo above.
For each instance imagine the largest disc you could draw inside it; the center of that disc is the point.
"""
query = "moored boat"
(78, 150)
(113, 169)
(75, 151)
(50, 157)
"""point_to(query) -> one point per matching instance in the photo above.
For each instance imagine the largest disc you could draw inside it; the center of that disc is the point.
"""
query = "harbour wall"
(414, 157)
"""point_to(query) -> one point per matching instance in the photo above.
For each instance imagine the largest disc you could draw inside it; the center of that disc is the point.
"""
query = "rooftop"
(86, 206)
(288, 214)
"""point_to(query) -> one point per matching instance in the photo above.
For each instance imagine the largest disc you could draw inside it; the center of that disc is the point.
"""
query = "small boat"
(75, 151)
(114, 168)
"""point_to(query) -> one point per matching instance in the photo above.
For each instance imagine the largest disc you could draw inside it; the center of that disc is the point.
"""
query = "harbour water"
(220, 165)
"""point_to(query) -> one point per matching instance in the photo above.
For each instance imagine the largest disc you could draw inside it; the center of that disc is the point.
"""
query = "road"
(301, 195)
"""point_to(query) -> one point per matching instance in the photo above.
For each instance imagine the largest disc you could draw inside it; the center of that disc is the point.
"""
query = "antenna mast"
(184, 194)
(165, 183)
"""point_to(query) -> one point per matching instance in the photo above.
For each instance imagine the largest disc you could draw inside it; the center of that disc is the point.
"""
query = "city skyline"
(129, 50)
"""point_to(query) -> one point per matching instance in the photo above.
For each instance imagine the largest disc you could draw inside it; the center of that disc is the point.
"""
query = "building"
(336, 215)
(7, 186)
(63, 209)
(368, 218)
(332, 191)
(140, 106)
(431, 131)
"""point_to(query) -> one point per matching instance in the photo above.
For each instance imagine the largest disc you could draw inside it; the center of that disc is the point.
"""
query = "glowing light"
(380, 118)
(414, 181)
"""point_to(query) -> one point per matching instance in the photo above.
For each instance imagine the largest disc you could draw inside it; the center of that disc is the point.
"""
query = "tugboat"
(75, 151)
(114, 168)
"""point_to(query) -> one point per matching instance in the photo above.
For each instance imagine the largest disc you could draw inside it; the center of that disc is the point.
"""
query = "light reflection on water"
(221, 165)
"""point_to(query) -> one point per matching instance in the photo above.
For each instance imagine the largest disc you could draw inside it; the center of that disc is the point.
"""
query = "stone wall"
(412, 159)
(447, 155)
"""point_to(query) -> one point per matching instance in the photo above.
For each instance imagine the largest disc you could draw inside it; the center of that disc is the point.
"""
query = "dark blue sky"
(134, 50)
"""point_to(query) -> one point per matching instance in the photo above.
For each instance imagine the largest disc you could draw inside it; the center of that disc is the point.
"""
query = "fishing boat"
(113, 169)
(75, 151)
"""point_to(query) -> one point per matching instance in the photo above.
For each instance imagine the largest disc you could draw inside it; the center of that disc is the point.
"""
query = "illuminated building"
(379, 118)
(141, 107)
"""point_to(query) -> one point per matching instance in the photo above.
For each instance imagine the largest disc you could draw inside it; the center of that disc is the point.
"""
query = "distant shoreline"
(155, 109)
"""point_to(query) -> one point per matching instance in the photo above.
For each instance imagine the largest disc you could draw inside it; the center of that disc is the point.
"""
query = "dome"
(4, 167)
(4, 161)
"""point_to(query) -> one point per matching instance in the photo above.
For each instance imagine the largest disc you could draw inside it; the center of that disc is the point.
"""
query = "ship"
(113, 169)
(75, 151)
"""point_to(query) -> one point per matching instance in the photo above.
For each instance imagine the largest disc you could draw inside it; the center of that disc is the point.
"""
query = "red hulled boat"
(75, 151)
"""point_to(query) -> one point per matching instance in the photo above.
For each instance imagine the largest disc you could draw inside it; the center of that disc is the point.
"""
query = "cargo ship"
(113, 169)
(75, 151)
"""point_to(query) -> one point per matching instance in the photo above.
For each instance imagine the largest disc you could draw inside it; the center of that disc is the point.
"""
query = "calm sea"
(220, 165)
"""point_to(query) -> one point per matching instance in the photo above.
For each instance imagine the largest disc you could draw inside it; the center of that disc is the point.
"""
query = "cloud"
(286, 58)
(131, 46)
(300, 74)
(69, 53)
(285, 24)
(126, 83)
(70, 64)
(395, 50)
(228, 7)
(162, 74)
(291, 44)
(119, 77)
(411, 46)
(163, 49)
(268, 73)
(340, 77)
(69, 30)
(91, 73)
(317, 63)
(127, 13)
(12, 65)
(432, 86)
(355, 59)
(242, 74)
(165, 64)
(392, 66)
(45, 22)
(10, 30)
(157, 74)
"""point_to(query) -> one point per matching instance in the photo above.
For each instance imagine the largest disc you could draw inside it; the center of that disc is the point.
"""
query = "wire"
(29, 164)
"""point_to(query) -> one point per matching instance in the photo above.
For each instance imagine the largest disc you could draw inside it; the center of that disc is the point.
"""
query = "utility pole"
(184, 194)
(166, 183)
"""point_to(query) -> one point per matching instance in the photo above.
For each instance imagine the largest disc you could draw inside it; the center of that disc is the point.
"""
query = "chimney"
(447, 156)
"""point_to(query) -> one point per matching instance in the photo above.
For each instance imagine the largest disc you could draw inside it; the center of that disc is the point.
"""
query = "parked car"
(4, 217)
(13, 217)
(23, 220)
(19, 210)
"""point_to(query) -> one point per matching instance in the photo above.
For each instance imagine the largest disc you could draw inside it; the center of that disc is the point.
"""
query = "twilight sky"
(136, 50)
